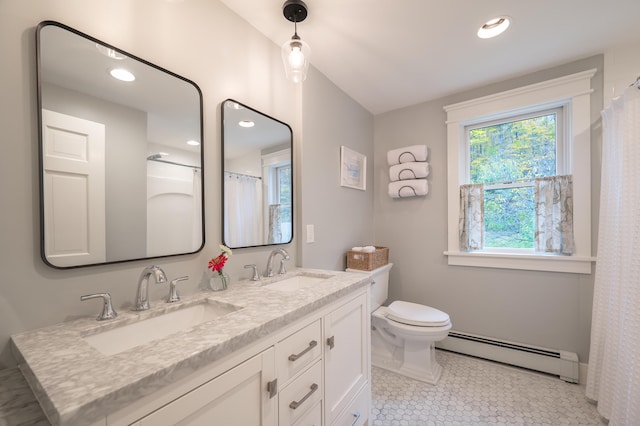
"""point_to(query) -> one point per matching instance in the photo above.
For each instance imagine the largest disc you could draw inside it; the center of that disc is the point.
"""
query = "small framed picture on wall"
(353, 169)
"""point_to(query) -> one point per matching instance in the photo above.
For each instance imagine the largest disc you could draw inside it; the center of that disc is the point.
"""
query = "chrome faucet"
(107, 308)
(256, 274)
(173, 291)
(285, 256)
(142, 294)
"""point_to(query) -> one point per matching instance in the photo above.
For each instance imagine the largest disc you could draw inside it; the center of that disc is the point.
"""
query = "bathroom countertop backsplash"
(76, 384)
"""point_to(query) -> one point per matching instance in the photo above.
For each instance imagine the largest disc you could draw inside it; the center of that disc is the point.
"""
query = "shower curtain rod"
(243, 175)
(173, 163)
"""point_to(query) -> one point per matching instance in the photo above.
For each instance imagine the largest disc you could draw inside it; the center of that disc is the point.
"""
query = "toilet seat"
(416, 315)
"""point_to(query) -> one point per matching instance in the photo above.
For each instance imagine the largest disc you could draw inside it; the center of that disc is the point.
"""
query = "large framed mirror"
(120, 154)
(257, 152)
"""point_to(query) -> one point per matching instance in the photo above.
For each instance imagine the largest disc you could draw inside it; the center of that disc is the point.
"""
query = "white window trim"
(573, 92)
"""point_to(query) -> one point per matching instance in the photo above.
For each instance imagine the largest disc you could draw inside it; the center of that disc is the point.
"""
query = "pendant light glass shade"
(295, 56)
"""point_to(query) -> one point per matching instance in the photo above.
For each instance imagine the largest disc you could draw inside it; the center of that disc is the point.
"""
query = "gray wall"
(193, 39)
(539, 308)
(197, 39)
(342, 217)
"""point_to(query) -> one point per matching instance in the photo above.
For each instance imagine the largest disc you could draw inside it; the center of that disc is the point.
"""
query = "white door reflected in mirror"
(135, 192)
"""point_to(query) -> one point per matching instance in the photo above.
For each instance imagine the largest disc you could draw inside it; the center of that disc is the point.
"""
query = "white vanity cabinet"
(314, 372)
(347, 364)
(237, 397)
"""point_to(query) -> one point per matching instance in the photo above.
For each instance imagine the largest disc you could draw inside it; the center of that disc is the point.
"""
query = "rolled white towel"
(411, 170)
(368, 249)
(407, 154)
(408, 188)
(356, 248)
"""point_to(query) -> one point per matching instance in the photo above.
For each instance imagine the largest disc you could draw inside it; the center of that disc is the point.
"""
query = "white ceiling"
(388, 54)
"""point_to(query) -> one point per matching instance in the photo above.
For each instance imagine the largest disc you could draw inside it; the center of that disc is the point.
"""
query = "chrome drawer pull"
(296, 404)
(356, 414)
(294, 357)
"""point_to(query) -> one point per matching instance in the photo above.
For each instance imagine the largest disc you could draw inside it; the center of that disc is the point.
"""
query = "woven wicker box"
(368, 261)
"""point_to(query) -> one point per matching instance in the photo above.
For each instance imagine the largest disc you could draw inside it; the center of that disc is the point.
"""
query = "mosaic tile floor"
(477, 392)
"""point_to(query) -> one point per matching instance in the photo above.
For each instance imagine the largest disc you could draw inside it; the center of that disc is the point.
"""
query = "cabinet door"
(237, 397)
(346, 355)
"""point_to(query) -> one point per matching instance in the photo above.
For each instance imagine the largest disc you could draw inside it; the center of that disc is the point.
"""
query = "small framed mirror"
(120, 154)
(257, 152)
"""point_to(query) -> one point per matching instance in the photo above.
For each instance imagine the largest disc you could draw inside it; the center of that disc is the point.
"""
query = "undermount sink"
(297, 282)
(125, 337)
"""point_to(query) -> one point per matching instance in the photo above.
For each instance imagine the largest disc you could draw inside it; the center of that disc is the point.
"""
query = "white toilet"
(403, 334)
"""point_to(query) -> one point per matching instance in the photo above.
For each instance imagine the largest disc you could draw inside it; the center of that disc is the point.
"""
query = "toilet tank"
(380, 286)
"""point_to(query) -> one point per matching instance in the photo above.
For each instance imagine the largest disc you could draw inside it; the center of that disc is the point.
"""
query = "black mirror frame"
(222, 175)
(39, 107)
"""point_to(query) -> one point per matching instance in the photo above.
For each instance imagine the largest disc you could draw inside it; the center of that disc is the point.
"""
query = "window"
(283, 197)
(506, 156)
(276, 174)
(507, 140)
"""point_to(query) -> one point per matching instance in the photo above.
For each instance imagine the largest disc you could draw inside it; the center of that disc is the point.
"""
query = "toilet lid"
(415, 314)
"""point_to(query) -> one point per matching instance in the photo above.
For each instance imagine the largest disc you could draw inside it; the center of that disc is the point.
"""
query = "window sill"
(530, 262)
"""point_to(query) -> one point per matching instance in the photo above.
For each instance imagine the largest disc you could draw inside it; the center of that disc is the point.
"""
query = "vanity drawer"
(298, 351)
(357, 413)
(312, 418)
(295, 400)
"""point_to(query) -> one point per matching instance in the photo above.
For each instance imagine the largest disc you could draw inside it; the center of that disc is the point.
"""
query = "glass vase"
(219, 280)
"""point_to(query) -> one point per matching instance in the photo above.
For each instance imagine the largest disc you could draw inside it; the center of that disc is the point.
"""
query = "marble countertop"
(76, 384)
(18, 406)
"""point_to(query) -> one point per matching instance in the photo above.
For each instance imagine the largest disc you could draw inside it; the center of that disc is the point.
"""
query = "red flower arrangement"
(217, 263)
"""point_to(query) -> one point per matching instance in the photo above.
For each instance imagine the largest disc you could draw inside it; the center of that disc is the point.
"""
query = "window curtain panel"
(613, 377)
(554, 215)
(275, 224)
(471, 224)
(197, 209)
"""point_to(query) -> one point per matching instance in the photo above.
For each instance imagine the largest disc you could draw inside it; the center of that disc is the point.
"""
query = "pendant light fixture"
(295, 52)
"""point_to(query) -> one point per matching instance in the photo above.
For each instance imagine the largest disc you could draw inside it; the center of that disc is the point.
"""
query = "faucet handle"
(283, 270)
(107, 308)
(173, 291)
(256, 274)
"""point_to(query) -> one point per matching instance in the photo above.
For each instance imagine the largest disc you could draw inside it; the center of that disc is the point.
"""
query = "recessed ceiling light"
(494, 27)
(246, 123)
(193, 143)
(122, 74)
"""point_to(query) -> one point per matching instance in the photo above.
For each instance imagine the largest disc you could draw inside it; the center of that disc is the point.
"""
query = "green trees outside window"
(284, 198)
(507, 157)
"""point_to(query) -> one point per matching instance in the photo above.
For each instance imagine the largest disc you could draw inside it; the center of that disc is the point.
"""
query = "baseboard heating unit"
(560, 363)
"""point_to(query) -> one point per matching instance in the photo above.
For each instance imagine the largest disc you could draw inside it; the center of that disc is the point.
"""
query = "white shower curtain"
(614, 358)
(242, 210)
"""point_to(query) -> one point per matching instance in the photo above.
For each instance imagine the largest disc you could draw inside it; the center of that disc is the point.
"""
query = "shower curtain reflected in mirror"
(242, 210)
